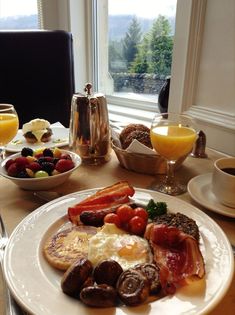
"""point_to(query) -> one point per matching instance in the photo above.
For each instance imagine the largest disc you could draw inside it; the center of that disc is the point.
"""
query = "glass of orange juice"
(172, 136)
(9, 124)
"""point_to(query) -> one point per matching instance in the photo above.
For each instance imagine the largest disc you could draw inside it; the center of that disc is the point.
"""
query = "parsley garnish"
(156, 208)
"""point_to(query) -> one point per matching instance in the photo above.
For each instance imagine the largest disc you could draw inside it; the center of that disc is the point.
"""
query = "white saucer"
(199, 189)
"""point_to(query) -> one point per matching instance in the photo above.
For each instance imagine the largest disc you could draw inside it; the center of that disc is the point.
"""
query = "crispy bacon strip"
(109, 194)
(177, 254)
(105, 198)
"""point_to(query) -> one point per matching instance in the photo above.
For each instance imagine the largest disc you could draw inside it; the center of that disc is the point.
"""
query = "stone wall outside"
(144, 83)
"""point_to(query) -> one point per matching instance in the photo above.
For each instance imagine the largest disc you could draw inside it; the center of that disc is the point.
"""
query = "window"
(134, 45)
(15, 14)
(194, 18)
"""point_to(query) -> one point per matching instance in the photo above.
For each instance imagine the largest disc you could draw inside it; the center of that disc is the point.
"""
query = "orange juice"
(172, 142)
(9, 125)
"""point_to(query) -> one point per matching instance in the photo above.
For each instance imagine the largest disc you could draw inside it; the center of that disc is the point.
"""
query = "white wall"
(203, 73)
(216, 77)
(71, 15)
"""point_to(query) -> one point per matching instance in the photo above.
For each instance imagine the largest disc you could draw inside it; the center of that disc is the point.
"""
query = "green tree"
(131, 41)
(155, 52)
(142, 61)
(161, 45)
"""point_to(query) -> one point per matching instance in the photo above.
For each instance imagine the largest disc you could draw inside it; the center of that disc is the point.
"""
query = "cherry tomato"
(125, 213)
(141, 212)
(112, 218)
(137, 225)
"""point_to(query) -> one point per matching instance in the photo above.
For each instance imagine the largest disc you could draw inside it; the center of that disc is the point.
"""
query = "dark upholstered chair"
(37, 74)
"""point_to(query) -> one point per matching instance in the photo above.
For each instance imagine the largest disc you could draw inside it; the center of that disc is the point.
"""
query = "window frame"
(132, 109)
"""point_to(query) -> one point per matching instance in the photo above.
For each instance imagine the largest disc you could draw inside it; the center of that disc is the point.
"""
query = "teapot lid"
(89, 95)
(87, 89)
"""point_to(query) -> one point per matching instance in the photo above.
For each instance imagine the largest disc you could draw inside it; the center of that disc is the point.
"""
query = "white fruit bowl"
(43, 183)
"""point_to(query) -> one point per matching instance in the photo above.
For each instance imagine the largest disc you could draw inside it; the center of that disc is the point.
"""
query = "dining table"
(16, 203)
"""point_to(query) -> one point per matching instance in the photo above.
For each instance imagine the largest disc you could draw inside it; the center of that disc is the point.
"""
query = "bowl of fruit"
(40, 169)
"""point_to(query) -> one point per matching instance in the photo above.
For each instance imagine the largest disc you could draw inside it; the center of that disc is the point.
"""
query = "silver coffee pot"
(89, 133)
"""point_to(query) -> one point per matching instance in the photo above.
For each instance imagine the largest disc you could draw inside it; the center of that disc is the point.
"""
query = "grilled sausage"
(95, 218)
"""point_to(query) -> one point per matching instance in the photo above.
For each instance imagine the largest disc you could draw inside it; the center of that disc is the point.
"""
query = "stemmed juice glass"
(9, 124)
(172, 136)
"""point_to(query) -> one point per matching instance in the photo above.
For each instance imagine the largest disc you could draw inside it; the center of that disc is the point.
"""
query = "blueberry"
(23, 174)
(47, 167)
(26, 152)
(47, 152)
(41, 160)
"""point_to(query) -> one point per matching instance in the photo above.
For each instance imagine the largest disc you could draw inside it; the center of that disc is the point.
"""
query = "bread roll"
(135, 131)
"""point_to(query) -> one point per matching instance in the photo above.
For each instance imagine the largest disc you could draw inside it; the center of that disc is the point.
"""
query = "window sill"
(128, 107)
(127, 114)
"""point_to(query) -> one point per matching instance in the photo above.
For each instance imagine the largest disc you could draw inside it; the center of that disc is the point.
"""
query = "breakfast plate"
(59, 138)
(200, 190)
(36, 285)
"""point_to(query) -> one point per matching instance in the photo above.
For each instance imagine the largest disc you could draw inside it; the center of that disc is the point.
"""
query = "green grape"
(39, 174)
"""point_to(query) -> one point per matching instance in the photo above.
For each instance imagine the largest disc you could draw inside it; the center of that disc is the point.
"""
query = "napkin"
(57, 124)
(134, 147)
(137, 147)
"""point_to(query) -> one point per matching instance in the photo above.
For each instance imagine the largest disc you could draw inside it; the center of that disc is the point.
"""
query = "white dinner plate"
(36, 285)
(200, 190)
(59, 138)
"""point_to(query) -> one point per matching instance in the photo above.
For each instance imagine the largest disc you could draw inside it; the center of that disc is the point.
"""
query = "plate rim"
(65, 143)
(208, 205)
(40, 210)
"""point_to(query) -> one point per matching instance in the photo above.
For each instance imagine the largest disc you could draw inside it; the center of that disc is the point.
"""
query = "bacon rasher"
(177, 254)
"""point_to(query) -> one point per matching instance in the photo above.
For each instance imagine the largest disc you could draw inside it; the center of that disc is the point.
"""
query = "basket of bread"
(133, 148)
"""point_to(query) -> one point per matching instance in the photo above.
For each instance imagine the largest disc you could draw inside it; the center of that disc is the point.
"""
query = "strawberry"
(21, 163)
(8, 163)
(65, 156)
(64, 165)
(12, 170)
(34, 166)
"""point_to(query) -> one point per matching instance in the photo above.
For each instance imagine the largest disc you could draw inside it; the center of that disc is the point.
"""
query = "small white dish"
(200, 190)
(59, 138)
(43, 183)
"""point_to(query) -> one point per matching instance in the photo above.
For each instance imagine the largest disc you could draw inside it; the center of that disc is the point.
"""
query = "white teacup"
(223, 181)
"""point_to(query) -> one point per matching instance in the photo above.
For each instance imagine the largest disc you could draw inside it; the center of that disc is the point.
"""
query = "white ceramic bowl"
(42, 183)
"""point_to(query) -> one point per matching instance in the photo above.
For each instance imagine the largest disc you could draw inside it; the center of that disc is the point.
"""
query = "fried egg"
(113, 243)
